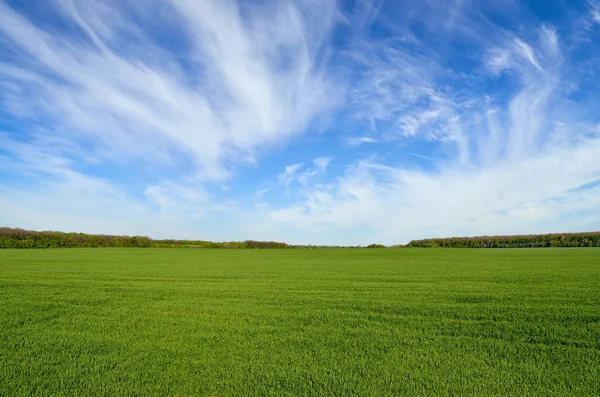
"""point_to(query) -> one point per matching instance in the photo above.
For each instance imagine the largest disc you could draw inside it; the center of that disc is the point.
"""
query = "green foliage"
(375, 246)
(264, 244)
(591, 239)
(181, 322)
(19, 238)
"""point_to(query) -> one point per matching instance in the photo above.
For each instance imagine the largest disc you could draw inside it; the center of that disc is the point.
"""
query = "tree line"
(590, 239)
(19, 238)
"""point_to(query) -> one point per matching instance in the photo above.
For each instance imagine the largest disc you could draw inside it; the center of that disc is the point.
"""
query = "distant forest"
(590, 239)
(19, 238)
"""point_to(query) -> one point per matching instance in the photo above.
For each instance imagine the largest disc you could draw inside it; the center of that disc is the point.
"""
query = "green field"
(300, 322)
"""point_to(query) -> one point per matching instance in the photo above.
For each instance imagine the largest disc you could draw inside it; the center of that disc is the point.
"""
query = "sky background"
(316, 122)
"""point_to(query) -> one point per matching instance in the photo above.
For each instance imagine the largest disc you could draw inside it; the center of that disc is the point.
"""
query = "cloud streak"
(243, 82)
(518, 162)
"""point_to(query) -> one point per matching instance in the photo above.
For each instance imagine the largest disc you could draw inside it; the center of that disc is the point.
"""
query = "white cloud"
(526, 52)
(518, 169)
(321, 163)
(355, 141)
(305, 177)
(257, 81)
(287, 176)
(511, 197)
(595, 10)
(292, 172)
(498, 60)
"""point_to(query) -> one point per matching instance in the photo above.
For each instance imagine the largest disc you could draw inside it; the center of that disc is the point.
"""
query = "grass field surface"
(181, 322)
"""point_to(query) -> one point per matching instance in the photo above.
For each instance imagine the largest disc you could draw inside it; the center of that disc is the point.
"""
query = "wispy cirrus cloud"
(289, 174)
(114, 108)
(303, 174)
(515, 160)
(221, 83)
(595, 11)
(321, 163)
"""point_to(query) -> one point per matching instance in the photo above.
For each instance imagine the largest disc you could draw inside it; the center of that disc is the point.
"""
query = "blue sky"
(302, 121)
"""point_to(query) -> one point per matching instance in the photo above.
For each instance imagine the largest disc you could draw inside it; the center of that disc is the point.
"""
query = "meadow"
(181, 322)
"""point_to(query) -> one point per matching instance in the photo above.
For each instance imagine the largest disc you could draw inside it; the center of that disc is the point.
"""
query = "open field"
(300, 322)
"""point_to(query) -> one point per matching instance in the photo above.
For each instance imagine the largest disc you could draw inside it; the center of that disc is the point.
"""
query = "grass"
(125, 322)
